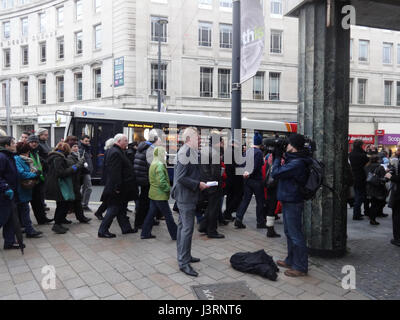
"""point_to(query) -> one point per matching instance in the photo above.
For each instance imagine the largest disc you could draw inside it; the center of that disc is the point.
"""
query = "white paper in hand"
(212, 183)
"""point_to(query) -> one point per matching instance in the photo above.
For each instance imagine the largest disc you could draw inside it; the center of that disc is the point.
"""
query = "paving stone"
(5, 277)
(331, 296)
(73, 283)
(19, 269)
(133, 275)
(177, 291)
(308, 296)
(103, 290)
(140, 296)
(38, 295)
(10, 297)
(180, 278)
(91, 278)
(80, 265)
(115, 297)
(27, 287)
(154, 292)
(143, 283)
(65, 273)
(81, 293)
(161, 280)
(334, 289)
(126, 289)
(23, 277)
(60, 294)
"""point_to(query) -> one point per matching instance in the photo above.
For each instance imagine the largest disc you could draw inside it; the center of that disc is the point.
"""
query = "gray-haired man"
(186, 192)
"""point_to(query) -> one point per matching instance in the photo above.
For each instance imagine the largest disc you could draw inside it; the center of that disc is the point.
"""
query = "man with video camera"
(291, 177)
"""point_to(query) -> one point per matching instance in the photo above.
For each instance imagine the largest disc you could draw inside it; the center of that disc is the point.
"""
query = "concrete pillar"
(323, 115)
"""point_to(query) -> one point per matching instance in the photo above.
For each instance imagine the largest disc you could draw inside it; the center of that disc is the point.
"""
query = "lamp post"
(8, 108)
(160, 23)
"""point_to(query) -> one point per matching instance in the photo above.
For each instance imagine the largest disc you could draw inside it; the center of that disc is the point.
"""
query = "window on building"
(205, 34)
(398, 94)
(363, 50)
(225, 36)
(7, 58)
(276, 7)
(388, 93)
(387, 52)
(25, 55)
(60, 88)
(398, 54)
(97, 6)
(42, 22)
(24, 93)
(78, 86)
(97, 36)
(362, 91)
(157, 29)
(6, 30)
(225, 3)
(42, 52)
(351, 49)
(60, 48)
(60, 16)
(274, 86)
(154, 79)
(42, 91)
(78, 10)
(78, 42)
(351, 83)
(258, 86)
(97, 83)
(276, 41)
(224, 83)
(206, 82)
(24, 26)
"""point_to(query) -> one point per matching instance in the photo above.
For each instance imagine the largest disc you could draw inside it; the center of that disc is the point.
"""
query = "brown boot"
(282, 264)
(294, 273)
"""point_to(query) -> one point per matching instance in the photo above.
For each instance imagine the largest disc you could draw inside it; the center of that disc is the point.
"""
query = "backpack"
(269, 182)
(314, 180)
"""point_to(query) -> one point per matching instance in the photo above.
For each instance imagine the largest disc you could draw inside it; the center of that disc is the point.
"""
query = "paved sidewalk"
(130, 268)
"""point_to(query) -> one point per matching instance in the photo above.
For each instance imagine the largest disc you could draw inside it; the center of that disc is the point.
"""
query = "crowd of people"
(31, 172)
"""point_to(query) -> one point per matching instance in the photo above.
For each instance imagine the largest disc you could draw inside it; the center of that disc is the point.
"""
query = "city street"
(129, 268)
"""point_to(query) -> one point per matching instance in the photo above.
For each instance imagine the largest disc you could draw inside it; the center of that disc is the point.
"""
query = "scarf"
(29, 161)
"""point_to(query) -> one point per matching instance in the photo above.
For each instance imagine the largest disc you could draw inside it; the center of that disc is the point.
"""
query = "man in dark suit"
(186, 192)
(120, 188)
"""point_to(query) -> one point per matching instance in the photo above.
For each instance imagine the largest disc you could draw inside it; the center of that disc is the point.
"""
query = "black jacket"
(44, 149)
(85, 151)
(376, 191)
(142, 164)
(58, 168)
(73, 159)
(211, 172)
(120, 183)
(8, 176)
(358, 160)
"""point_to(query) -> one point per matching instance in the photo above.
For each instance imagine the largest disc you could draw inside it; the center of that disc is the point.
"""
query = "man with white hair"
(120, 188)
(186, 192)
(44, 148)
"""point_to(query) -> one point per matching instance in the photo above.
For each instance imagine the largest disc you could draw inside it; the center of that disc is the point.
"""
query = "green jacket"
(158, 177)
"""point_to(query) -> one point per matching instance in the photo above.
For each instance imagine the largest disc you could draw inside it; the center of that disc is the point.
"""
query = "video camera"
(281, 143)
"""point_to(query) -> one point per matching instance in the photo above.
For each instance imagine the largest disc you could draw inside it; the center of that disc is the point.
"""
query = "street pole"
(236, 111)
(159, 26)
(8, 111)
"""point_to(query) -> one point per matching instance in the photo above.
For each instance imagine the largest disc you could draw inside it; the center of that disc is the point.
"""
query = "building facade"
(60, 53)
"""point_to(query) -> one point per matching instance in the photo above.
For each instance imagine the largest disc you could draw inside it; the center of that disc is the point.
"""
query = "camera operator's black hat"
(297, 141)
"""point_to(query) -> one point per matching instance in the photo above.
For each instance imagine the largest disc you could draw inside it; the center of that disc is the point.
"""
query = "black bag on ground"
(255, 262)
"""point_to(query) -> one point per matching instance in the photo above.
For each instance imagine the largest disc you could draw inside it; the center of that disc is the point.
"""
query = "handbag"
(29, 183)
(67, 188)
(374, 179)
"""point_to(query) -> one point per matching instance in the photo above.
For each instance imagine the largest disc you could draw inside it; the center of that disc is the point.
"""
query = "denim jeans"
(24, 213)
(115, 210)
(359, 198)
(163, 207)
(297, 249)
(86, 189)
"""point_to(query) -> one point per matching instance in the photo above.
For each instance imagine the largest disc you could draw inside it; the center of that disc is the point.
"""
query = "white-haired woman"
(103, 207)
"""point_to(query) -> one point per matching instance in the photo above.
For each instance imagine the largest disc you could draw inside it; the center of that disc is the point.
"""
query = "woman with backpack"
(376, 189)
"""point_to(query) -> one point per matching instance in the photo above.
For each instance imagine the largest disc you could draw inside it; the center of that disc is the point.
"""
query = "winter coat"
(358, 160)
(8, 176)
(158, 177)
(24, 173)
(255, 155)
(376, 191)
(44, 149)
(58, 168)
(73, 159)
(120, 184)
(291, 176)
(395, 181)
(141, 164)
(211, 172)
(85, 151)
(255, 262)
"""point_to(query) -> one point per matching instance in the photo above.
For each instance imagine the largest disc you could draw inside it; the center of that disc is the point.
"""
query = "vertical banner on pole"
(252, 38)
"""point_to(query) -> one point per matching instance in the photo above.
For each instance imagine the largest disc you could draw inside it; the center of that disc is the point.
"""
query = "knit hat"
(40, 131)
(257, 140)
(33, 138)
(297, 141)
(72, 143)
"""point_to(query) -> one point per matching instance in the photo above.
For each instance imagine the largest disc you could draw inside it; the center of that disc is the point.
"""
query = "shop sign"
(389, 139)
(366, 138)
(379, 133)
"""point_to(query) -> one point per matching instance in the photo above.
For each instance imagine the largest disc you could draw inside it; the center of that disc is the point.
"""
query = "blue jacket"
(291, 176)
(8, 176)
(24, 173)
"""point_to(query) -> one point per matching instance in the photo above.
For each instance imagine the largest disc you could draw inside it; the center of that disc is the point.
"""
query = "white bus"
(102, 123)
